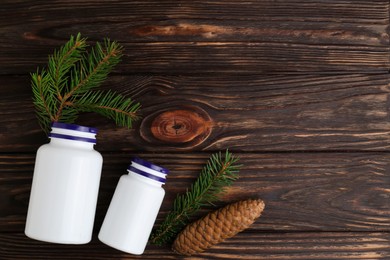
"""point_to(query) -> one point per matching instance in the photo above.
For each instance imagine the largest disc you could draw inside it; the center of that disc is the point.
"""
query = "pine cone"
(216, 226)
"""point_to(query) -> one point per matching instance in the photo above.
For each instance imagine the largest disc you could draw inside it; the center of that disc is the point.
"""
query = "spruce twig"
(109, 104)
(217, 174)
(67, 86)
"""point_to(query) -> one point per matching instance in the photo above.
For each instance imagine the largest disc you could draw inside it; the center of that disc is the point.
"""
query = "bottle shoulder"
(141, 182)
(55, 149)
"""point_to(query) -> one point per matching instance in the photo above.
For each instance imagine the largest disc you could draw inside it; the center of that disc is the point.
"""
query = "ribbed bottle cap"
(148, 169)
(74, 127)
(73, 132)
(150, 165)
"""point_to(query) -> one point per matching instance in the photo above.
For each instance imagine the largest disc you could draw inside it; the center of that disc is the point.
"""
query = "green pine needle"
(94, 66)
(66, 87)
(217, 174)
(109, 104)
(63, 60)
(41, 88)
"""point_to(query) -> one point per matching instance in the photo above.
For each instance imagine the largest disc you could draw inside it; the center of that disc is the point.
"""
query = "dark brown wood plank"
(298, 89)
(205, 36)
(302, 191)
(246, 113)
(246, 245)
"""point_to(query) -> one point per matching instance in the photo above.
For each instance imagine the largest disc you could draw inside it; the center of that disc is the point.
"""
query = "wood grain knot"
(187, 126)
(179, 126)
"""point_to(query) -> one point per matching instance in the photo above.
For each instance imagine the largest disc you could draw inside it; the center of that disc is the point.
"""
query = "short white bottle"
(65, 186)
(134, 207)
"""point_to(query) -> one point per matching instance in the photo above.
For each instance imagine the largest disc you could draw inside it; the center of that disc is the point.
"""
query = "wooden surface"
(299, 90)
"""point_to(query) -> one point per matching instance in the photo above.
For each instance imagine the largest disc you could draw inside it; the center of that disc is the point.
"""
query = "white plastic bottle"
(65, 186)
(134, 207)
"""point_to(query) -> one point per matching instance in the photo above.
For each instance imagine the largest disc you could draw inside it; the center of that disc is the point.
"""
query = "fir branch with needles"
(68, 85)
(219, 173)
(109, 104)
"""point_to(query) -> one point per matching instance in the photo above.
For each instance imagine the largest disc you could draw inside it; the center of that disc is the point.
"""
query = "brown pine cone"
(216, 226)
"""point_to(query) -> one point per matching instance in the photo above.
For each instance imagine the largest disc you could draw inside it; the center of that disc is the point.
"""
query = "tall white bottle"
(134, 207)
(65, 186)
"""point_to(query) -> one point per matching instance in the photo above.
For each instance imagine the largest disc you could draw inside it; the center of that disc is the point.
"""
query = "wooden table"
(299, 90)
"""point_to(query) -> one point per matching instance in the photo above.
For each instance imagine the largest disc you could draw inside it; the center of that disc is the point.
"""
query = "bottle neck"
(147, 172)
(71, 143)
(70, 137)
